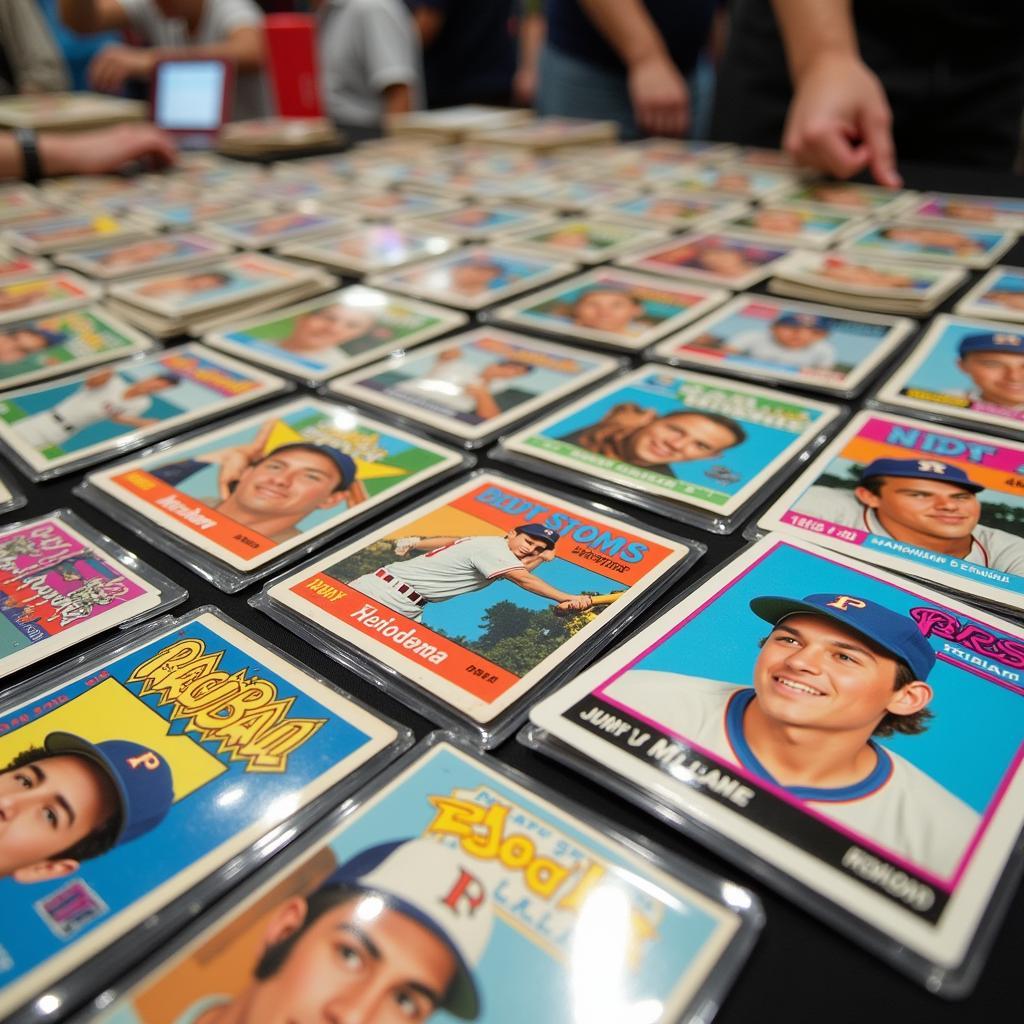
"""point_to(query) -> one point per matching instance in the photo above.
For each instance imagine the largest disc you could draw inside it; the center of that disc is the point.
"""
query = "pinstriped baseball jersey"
(467, 564)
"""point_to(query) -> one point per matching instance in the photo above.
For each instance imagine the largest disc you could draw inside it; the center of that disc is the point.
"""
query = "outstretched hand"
(105, 150)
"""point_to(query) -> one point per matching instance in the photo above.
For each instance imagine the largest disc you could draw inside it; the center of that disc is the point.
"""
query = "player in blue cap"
(20, 341)
(836, 672)
(70, 800)
(795, 339)
(451, 566)
(1008, 293)
(392, 935)
(994, 360)
(923, 502)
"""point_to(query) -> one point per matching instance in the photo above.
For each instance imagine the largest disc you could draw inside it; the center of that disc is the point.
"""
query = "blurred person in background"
(77, 49)
(30, 60)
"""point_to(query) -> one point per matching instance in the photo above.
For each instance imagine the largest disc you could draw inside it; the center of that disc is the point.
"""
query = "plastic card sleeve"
(10, 498)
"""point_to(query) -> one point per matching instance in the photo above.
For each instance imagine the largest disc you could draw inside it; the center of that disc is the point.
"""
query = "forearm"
(244, 49)
(628, 27)
(814, 28)
(532, 30)
(431, 543)
(397, 99)
(91, 15)
(537, 586)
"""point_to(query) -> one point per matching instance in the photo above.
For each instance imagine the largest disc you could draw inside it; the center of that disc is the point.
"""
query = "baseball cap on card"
(439, 887)
(992, 341)
(345, 463)
(920, 469)
(896, 634)
(140, 776)
(541, 532)
(811, 320)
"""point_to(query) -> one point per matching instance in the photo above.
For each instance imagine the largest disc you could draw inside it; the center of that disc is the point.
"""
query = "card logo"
(69, 909)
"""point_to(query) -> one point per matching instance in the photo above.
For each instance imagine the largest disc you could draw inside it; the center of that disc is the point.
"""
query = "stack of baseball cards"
(999, 295)
(39, 293)
(263, 231)
(793, 224)
(195, 300)
(336, 332)
(984, 211)
(855, 734)
(112, 260)
(958, 245)
(236, 501)
(180, 750)
(588, 240)
(691, 446)
(473, 386)
(452, 124)
(277, 136)
(14, 266)
(678, 211)
(852, 197)
(65, 110)
(73, 231)
(56, 428)
(546, 134)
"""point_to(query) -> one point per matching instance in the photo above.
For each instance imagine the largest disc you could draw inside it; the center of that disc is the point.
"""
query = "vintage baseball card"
(228, 282)
(480, 595)
(999, 295)
(905, 239)
(9, 498)
(388, 205)
(370, 248)
(590, 239)
(191, 211)
(793, 224)
(14, 267)
(739, 183)
(261, 232)
(852, 197)
(145, 256)
(819, 347)
(48, 346)
(49, 292)
(966, 370)
(712, 256)
(59, 587)
(474, 385)
(477, 222)
(613, 307)
(58, 110)
(483, 881)
(937, 503)
(148, 771)
(677, 211)
(582, 195)
(857, 733)
(52, 428)
(248, 492)
(680, 437)
(986, 211)
(336, 332)
(73, 231)
(474, 276)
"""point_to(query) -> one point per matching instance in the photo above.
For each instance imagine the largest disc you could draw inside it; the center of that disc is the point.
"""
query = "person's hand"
(231, 463)
(575, 604)
(105, 150)
(660, 98)
(840, 121)
(114, 65)
(524, 86)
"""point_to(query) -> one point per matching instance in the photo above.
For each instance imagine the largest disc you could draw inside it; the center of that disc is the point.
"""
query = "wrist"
(828, 56)
(54, 149)
(31, 163)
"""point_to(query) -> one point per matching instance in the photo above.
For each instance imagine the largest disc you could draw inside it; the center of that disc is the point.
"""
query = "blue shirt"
(78, 50)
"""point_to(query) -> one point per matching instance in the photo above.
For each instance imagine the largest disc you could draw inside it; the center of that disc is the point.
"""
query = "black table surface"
(800, 969)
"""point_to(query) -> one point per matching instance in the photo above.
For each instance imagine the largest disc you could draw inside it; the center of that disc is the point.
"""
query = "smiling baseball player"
(452, 566)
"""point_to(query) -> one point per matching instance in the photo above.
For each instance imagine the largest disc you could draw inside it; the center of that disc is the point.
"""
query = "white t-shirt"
(219, 19)
(897, 806)
(364, 46)
(995, 549)
(458, 568)
(761, 345)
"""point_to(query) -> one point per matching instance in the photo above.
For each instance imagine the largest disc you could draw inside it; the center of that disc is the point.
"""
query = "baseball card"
(135, 779)
(480, 595)
(39, 294)
(939, 504)
(986, 211)
(750, 184)
(549, 133)
(856, 733)
(966, 370)
(613, 307)
(588, 240)
(477, 222)
(48, 346)
(58, 110)
(10, 499)
(191, 211)
(336, 332)
(73, 231)
(474, 385)
(264, 231)
(678, 211)
(581, 195)
(228, 282)
(474, 276)
(387, 205)
(680, 437)
(793, 224)
(14, 267)
(53, 428)
(905, 239)
(818, 347)
(999, 295)
(715, 257)
(372, 247)
(145, 256)
(248, 492)
(59, 587)
(476, 881)
(852, 197)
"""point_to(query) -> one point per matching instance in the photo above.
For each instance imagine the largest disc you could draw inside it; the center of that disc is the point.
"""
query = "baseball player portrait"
(70, 800)
(452, 566)
(928, 503)
(994, 360)
(632, 433)
(19, 342)
(795, 340)
(835, 674)
(392, 935)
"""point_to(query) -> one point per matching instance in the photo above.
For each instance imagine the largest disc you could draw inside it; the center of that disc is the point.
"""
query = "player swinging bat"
(451, 566)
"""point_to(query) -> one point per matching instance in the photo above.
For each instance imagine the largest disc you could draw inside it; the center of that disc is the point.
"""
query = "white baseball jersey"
(761, 345)
(468, 564)
(995, 549)
(897, 805)
(82, 408)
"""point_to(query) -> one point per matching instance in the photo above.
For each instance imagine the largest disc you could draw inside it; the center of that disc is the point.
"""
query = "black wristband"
(29, 153)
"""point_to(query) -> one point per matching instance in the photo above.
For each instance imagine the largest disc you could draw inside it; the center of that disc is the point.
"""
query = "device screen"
(190, 95)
